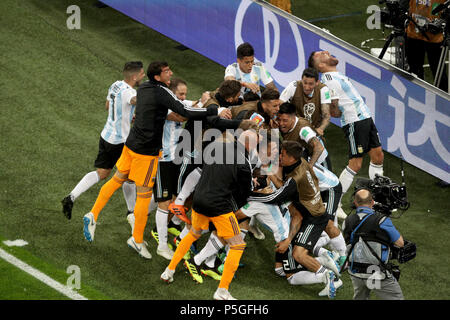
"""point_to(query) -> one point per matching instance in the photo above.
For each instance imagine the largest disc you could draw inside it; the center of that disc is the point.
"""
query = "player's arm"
(133, 101)
(325, 108)
(276, 178)
(335, 112)
(294, 227)
(107, 105)
(287, 192)
(309, 136)
(288, 92)
(169, 100)
(317, 148)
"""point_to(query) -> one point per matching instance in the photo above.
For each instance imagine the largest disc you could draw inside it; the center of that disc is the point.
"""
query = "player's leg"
(107, 156)
(228, 228)
(164, 190)
(199, 223)
(375, 152)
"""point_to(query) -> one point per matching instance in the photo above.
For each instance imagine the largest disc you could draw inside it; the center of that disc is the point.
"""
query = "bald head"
(363, 198)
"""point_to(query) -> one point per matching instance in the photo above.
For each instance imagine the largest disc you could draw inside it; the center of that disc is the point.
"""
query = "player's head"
(322, 61)
(133, 72)
(270, 102)
(310, 79)
(286, 117)
(245, 57)
(159, 71)
(291, 152)
(230, 90)
(251, 96)
(179, 88)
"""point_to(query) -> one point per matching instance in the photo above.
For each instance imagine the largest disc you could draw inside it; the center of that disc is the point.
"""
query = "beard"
(333, 61)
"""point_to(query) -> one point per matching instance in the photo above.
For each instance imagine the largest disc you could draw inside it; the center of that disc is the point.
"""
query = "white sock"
(338, 244)
(184, 232)
(161, 219)
(88, 181)
(211, 261)
(346, 178)
(243, 233)
(252, 222)
(323, 241)
(153, 204)
(176, 220)
(212, 247)
(129, 193)
(188, 186)
(375, 168)
(307, 277)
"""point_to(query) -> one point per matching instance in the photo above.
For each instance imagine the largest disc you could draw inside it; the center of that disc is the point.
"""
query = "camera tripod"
(444, 55)
(398, 36)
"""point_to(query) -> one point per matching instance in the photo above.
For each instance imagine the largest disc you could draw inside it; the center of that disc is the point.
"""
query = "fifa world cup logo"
(308, 111)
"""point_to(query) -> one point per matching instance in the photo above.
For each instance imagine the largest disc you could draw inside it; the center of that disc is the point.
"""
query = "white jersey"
(327, 179)
(289, 91)
(351, 103)
(257, 75)
(120, 113)
(306, 134)
(171, 135)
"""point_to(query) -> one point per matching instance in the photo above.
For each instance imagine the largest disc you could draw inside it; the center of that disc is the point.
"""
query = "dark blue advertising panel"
(413, 121)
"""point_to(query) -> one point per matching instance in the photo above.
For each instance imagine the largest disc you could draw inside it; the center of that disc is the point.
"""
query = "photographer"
(368, 266)
(418, 42)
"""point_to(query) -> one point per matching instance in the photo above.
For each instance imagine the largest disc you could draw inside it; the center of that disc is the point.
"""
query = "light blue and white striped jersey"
(258, 73)
(120, 113)
(351, 103)
(171, 134)
(327, 179)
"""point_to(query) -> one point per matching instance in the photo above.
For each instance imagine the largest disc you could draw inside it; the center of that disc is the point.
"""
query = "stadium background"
(54, 82)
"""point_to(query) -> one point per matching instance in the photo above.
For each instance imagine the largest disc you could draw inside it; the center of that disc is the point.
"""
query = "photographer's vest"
(294, 134)
(420, 10)
(361, 260)
(308, 188)
(308, 107)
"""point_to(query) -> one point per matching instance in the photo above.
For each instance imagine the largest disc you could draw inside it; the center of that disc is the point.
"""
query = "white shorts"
(271, 217)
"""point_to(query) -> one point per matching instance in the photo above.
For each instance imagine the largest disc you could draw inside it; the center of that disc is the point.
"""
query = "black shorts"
(290, 265)
(165, 186)
(108, 154)
(331, 198)
(362, 136)
(311, 228)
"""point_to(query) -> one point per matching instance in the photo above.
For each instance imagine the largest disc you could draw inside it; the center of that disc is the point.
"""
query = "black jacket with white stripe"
(226, 182)
(153, 101)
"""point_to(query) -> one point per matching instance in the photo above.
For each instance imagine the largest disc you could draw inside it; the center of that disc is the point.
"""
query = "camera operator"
(428, 40)
(368, 266)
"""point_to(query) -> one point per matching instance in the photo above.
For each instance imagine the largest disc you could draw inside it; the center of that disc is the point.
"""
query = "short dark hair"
(245, 50)
(293, 148)
(229, 88)
(311, 73)
(270, 94)
(363, 198)
(250, 96)
(287, 108)
(175, 82)
(311, 62)
(155, 68)
(132, 67)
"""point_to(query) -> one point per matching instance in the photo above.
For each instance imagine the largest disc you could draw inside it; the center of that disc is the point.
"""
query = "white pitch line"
(41, 276)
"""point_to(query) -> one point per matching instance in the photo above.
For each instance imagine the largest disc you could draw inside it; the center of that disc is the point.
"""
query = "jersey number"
(112, 97)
